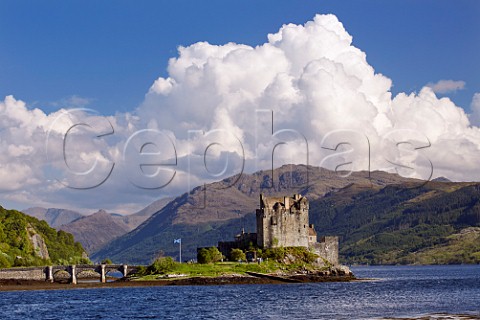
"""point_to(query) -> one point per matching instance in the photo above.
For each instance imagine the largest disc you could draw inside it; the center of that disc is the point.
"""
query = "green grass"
(215, 269)
(222, 269)
(275, 259)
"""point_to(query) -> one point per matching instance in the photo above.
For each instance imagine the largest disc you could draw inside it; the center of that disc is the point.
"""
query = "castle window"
(273, 221)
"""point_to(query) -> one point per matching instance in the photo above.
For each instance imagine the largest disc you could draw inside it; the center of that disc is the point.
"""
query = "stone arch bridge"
(48, 273)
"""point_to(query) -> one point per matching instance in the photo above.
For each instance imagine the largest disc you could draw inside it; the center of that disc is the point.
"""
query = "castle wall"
(327, 248)
(260, 229)
(282, 222)
(243, 241)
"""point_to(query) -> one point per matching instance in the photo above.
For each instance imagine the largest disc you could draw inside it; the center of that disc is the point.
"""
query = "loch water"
(395, 291)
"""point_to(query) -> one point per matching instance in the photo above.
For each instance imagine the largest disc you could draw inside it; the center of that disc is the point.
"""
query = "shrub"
(4, 261)
(142, 271)
(276, 254)
(300, 254)
(163, 265)
(237, 255)
(203, 256)
(209, 255)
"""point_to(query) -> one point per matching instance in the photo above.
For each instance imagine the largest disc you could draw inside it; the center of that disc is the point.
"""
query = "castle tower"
(282, 222)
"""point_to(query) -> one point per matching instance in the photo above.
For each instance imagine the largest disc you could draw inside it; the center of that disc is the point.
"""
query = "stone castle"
(284, 222)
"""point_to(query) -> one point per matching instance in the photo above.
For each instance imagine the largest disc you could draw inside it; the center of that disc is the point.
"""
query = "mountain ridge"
(55, 217)
(215, 210)
(89, 230)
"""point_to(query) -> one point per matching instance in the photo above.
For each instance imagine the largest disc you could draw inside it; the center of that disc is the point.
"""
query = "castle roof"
(271, 202)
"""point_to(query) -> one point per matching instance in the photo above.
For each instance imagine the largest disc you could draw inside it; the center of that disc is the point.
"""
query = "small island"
(284, 249)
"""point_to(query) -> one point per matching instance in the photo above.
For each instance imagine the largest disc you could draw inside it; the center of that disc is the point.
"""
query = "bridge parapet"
(23, 273)
(48, 273)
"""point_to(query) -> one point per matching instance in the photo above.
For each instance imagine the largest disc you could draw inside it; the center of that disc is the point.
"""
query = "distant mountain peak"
(101, 212)
(55, 217)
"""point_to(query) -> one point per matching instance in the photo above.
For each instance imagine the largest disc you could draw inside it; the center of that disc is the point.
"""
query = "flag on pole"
(179, 241)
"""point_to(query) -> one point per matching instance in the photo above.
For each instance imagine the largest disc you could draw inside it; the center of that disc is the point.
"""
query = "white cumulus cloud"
(475, 107)
(446, 86)
(212, 116)
(318, 85)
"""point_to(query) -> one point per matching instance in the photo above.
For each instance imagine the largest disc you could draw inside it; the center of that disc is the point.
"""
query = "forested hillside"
(26, 241)
(381, 218)
(397, 223)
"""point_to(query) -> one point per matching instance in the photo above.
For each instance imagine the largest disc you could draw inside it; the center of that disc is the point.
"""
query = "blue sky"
(112, 56)
(111, 52)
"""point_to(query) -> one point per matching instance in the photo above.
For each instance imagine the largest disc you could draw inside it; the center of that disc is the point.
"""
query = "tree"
(237, 255)
(15, 241)
(209, 255)
(163, 265)
(215, 254)
(203, 256)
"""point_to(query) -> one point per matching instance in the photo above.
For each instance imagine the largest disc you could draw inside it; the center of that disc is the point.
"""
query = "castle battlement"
(284, 222)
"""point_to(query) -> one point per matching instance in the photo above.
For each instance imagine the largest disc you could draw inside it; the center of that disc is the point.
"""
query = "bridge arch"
(102, 270)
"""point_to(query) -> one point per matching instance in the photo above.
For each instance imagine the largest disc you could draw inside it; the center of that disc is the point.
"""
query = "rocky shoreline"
(229, 279)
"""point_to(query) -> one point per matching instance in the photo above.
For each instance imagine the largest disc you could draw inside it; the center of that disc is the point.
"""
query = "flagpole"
(179, 241)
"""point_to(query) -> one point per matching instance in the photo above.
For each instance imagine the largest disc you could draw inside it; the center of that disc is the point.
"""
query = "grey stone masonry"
(282, 222)
(48, 273)
(29, 273)
(327, 249)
